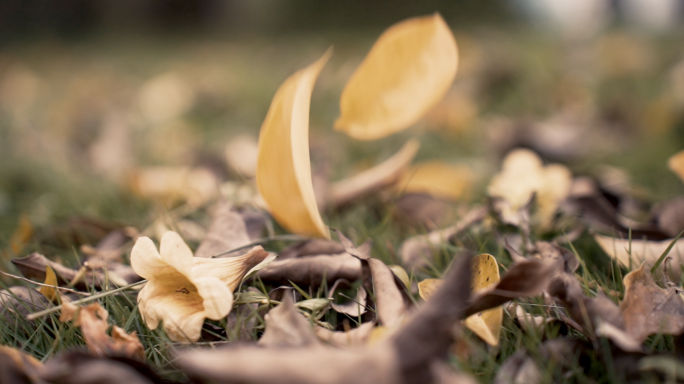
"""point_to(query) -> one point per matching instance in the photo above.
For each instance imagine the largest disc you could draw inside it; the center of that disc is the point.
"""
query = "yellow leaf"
(401, 274)
(50, 279)
(486, 324)
(407, 72)
(676, 164)
(373, 179)
(283, 166)
(485, 273)
(21, 235)
(437, 179)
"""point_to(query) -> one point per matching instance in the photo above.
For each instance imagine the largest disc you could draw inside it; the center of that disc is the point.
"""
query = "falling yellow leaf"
(485, 273)
(676, 164)
(407, 72)
(283, 166)
(50, 279)
(382, 175)
(437, 179)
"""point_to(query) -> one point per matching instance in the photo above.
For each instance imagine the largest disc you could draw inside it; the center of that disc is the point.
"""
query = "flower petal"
(147, 262)
(229, 270)
(182, 311)
(218, 298)
(176, 253)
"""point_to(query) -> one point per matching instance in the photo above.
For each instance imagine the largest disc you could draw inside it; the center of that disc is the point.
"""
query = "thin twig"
(82, 301)
(44, 285)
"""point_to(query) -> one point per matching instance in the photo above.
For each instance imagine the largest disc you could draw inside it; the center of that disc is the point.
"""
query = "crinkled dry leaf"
(286, 327)
(437, 179)
(676, 164)
(648, 309)
(371, 180)
(283, 167)
(20, 301)
(76, 367)
(424, 211)
(381, 99)
(227, 231)
(50, 279)
(93, 322)
(311, 247)
(647, 251)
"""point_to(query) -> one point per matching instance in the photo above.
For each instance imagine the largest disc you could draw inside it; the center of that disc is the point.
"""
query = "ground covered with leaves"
(476, 206)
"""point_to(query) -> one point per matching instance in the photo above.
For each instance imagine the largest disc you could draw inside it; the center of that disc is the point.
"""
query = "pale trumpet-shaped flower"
(183, 290)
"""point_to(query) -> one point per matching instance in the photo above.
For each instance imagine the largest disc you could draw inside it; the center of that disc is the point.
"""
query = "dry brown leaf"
(20, 301)
(286, 327)
(76, 367)
(676, 164)
(419, 251)
(647, 251)
(227, 231)
(424, 211)
(376, 178)
(93, 322)
(380, 99)
(356, 337)
(438, 179)
(283, 166)
(312, 270)
(648, 309)
(50, 279)
(392, 302)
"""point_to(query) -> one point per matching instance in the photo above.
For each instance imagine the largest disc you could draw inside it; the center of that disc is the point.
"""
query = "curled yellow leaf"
(283, 166)
(406, 73)
(485, 273)
(50, 279)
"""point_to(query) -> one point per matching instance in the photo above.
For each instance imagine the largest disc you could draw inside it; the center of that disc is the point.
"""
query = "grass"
(47, 178)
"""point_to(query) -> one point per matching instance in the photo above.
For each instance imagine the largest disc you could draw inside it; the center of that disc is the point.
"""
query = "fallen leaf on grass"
(283, 166)
(312, 270)
(93, 322)
(183, 290)
(419, 250)
(381, 99)
(391, 299)
(227, 231)
(286, 327)
(641, 250)
(521, 368)
(17, 367)
(649, 309)
(437, 179)
(424, 211)
(485, 273)
(373, 179)
(522, 176)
